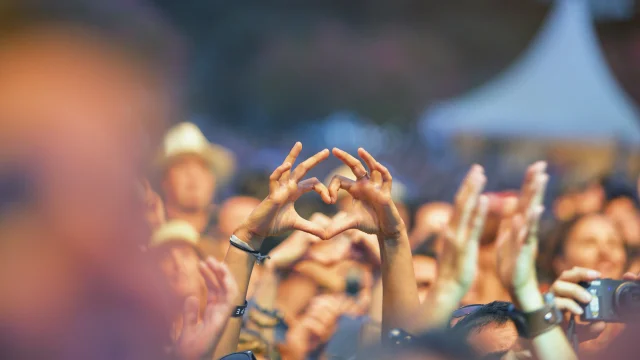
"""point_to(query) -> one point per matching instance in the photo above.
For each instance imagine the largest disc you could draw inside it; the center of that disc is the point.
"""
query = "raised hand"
(568, 296)
(199, 338)
(517, 240)
(276, 214)
(373, 210)
(460, 239)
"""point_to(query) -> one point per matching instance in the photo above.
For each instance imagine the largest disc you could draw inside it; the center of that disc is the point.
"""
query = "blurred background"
(427, 86)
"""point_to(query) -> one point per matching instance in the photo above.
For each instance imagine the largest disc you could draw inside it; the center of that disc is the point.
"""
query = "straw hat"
(175, 230)
(398, 190)
(187, 139)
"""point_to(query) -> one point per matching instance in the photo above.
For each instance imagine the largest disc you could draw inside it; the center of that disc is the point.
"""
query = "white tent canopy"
(561, 87)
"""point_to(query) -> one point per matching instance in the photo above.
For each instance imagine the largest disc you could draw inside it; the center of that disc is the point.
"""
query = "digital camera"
(612, 301)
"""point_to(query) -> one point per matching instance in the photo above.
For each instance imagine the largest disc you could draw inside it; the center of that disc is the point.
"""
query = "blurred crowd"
(115, 245)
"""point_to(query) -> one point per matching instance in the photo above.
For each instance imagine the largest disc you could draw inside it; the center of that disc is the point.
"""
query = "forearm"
(240, 265)
(399, 290)
(265, 298)
(552, 344)
(370, 332)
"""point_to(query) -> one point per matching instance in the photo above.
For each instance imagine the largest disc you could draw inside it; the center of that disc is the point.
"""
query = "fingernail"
(579, 311)
(585, 297)
(593, 274)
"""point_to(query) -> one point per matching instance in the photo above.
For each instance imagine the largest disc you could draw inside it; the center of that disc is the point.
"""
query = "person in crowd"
(425, 268)
(85, 92)
(191, 169)
(492, 332)
(430, 218)
(432, 345)
(486, 286)
(229, 216)
(592, 242)
(201, 291)
(622, 206)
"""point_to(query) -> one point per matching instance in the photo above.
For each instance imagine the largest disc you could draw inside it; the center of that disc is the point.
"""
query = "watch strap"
(542, 320)
(239, 310)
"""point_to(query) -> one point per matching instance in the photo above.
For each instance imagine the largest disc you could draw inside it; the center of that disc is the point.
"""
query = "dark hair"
(616, 187)
(130, 27)
(552, 246)
(494, 313)
(440, 343)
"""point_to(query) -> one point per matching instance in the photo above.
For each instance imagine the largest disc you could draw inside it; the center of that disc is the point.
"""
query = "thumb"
(340, 225)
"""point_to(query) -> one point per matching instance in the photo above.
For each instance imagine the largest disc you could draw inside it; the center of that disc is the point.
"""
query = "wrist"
(254, 240)
(528, 298)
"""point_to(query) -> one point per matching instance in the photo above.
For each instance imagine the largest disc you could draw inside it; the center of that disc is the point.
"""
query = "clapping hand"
(199, 338)
(517, 241)
(460, 239)
(276, 214)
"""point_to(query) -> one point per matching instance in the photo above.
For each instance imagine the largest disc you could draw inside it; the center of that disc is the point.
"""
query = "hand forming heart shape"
(373, 210)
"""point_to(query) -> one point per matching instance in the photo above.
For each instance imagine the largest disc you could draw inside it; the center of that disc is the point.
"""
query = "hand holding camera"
(615, 301)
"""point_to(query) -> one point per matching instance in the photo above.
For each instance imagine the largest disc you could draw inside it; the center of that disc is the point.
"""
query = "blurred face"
(189, 184)
(426, 271)
(430, 218)
(75, 107)
(179, 263)
(594, 243)
(234, 211)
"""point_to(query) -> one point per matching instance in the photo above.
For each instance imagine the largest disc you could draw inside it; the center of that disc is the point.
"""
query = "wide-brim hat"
(187, 139)
(174, 231)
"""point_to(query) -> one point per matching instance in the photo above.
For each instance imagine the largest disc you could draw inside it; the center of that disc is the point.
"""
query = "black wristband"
(540, 321)
(260, 257)
(239, 311)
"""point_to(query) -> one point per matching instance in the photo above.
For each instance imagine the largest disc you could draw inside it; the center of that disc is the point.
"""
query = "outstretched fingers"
(379, 173)
(291, 158)
(479, 219)
(278, 174)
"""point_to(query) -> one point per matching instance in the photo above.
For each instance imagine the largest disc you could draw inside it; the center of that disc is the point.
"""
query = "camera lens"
(627, 298)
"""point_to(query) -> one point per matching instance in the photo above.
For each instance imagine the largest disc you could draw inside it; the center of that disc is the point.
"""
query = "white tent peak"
(560, 87)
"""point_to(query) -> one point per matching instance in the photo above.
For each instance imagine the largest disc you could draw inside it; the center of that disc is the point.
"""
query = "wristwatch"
(542, 320)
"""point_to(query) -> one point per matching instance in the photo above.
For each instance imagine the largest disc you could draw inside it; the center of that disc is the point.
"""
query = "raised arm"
(374, 212)
(457, 264)
(517, 247)
(275, 214)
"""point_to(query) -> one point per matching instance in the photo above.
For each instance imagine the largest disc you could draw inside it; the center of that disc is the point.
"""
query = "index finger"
(291, 158)
(301, 170)
(354, 164)
(368, 159)
(578, 274)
